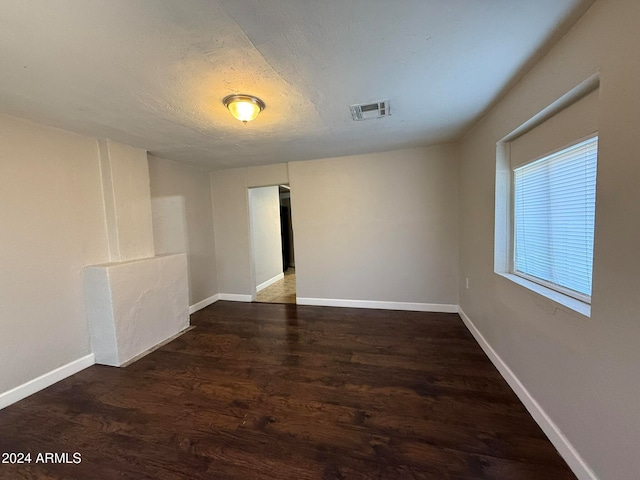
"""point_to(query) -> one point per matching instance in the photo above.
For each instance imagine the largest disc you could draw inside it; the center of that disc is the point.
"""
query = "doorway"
(272, 244)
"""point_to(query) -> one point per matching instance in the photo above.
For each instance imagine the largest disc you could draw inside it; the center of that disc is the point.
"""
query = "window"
(553, 219)
(545, 201)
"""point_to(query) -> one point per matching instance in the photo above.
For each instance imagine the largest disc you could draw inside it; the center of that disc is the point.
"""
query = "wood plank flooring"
(274, 391)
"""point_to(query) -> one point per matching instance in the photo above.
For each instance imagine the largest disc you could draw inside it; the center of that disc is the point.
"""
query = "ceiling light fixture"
(243, 107)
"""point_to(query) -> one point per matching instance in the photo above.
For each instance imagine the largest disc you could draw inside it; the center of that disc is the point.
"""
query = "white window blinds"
(554, 211)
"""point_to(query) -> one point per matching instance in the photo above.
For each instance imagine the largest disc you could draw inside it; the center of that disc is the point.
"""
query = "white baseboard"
(43, 381)
(415, 307)
(555, 435)
(204, 303)
(271, 281)
(234, 297)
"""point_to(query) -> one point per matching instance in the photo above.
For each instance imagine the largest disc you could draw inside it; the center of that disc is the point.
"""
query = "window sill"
(557, 297)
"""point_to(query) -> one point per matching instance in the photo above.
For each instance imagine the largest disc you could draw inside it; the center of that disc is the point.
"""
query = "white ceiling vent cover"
(367, 111)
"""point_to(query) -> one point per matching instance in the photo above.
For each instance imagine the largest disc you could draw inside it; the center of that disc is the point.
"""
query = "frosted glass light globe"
(244, 107)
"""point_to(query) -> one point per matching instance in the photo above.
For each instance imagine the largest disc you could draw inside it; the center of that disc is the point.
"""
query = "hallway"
(283, 291)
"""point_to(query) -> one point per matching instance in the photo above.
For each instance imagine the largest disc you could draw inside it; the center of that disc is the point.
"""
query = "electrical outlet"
(467, 282)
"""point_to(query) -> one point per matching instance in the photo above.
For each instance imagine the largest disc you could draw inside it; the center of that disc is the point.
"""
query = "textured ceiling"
(152, 73)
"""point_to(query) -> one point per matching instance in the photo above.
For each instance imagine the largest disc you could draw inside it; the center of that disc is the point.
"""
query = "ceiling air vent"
(367, 111)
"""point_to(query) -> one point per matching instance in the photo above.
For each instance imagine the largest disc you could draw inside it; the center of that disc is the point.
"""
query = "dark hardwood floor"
(269, 391)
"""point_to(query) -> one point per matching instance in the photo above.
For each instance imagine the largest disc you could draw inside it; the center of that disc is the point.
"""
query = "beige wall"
(52, 224)
(266, 239)
(378, 227)
(582, 371)
(125, 174)
(229, 189)
(183, 221)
